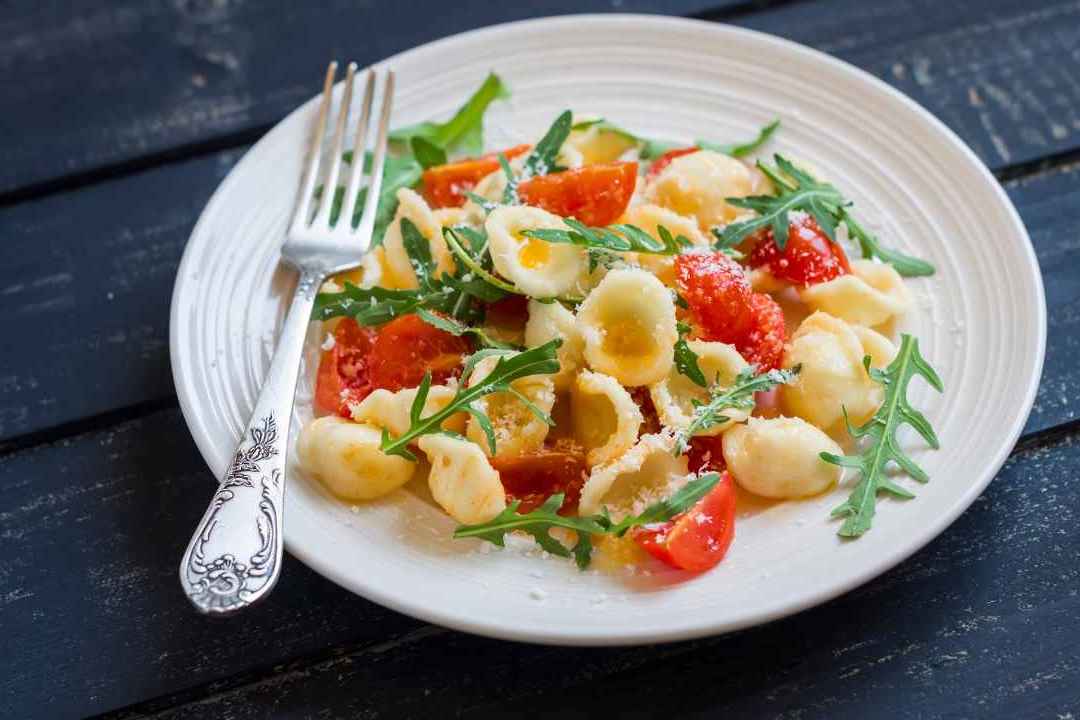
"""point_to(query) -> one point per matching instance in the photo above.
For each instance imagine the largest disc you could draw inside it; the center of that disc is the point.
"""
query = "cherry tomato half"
(343, 376)
(699, 538)
(596, 195)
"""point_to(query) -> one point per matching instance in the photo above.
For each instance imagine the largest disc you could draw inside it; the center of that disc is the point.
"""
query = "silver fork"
(234, 557)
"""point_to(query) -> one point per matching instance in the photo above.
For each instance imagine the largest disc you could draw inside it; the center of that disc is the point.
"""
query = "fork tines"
(321, 220)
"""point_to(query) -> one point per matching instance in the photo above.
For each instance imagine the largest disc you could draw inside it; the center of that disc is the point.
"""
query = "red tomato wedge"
(664, 160)
(344, 376)
(533, 478)
(446, 185)
(700, 537)
(597, 195)
(808, 258)
(407, 347)
(763, 346)
(718, 293)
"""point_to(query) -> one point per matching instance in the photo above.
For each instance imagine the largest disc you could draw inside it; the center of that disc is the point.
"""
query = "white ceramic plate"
(914, 181)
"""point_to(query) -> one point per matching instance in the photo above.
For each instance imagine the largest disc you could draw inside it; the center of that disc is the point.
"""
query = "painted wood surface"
(108, 86)
(120, 119)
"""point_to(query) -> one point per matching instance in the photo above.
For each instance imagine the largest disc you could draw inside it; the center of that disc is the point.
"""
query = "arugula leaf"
(510, 193)
(542, 159)
(464, 131)
(906, 265)
(540, 360)
(686, 360)
(427, 153)
(450, 235)
(613, 238)
(883, 446)
(808, 195)
(458, 328)
(741, 149)
(418, 251)
(538, 524)
(662, 511)
(740, 396)
(798, 190)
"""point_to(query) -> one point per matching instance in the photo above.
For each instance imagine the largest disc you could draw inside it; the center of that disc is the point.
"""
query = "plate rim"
(633, 635)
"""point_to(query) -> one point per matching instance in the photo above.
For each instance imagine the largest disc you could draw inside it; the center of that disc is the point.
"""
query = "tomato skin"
(718, 292)
(664, 160)
(597, 195)
(699, 538)
(344, 374)
(534, 477)
(446, 185)
(407, 347)
(763, 346)
(808, 258)
(706, 454)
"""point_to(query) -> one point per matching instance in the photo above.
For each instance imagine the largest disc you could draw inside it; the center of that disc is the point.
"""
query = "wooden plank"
(91, 533)
(105, 84)
(92, 274)
(93, 526)
(91, 84)
(1002, 74)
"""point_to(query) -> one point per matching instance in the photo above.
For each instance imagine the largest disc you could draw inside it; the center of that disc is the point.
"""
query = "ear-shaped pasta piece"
(462, 480)
(345, 457)
(628, 322)
(399, 270)
(872, 294)
(390, 410)
(491, 187)
(697, 185)
(517, 429)
(674, 396)
(647, 473)
(648, 217)
(539, 268)
(605, 417)
(832, 376)
(599, 144)
(780, 457)
(880, 348)
(551, 320)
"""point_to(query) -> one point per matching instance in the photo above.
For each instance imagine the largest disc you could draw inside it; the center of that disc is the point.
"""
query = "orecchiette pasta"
(648, 217)
(832, 376)
(398, 271)
(605, 417)
(872, 294)
(599, 144)
(551, 320)
(646, 473)
(517, 429)
(697, 185)
(780, 457)
(491, 187)
(345, 457)
(628, 322)
(390, 410)
(461, 479)
(674, 396)
(539, 268)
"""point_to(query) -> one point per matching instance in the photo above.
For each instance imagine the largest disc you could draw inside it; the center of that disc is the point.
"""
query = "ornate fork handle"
(234, 557)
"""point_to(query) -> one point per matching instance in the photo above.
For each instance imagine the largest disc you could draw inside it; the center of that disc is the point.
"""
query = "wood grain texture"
(92, 528)
(94, 270)
(1004, 75)
(98, 85)
(91, 84)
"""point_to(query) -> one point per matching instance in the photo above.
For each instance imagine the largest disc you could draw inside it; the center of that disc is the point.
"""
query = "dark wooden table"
(118, 120)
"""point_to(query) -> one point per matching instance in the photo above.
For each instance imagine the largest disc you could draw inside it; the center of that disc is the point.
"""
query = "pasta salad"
(603, 339)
